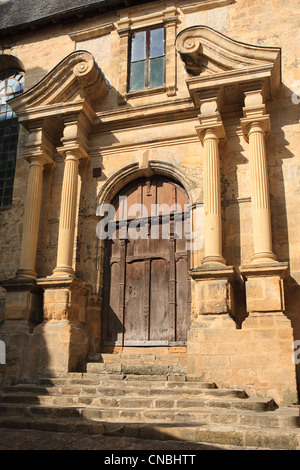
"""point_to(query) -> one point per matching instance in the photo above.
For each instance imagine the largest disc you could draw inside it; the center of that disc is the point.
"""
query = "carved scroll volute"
(188, 46)
(91, 79)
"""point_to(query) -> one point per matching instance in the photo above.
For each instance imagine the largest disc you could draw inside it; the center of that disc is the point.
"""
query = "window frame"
(9, 132)
(147, 59)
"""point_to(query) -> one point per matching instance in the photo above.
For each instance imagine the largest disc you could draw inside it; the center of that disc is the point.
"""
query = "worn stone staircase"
(150, 401)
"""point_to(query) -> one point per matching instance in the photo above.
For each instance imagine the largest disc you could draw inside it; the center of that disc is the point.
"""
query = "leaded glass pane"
(138, 51)
(11, 85)
(157, 72)
(138, 75)
(147, 59)
(156, 42)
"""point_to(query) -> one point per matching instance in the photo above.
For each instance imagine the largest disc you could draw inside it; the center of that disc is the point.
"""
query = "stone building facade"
(174, 102)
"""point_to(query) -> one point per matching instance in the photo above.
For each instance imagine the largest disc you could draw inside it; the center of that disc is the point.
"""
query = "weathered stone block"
(250, 358)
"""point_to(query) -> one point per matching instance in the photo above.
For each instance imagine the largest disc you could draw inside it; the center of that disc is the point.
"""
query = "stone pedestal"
(38, 345)
(58, 347)
(62, 336)
(23, 302)
(264, 287)
(23, 312)
(213, 290)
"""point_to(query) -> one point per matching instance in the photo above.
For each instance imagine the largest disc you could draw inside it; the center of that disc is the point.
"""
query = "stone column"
(37, 157)
(255, 125)
(31, 218)
(261, 213)
(73, 151)
(67, 216)
(212, 199)
(210, 131)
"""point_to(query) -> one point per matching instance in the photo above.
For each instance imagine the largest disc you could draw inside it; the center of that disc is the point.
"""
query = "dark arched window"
(11, 85)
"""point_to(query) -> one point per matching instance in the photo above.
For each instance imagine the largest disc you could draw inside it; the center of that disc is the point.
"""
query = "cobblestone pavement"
(11, 439)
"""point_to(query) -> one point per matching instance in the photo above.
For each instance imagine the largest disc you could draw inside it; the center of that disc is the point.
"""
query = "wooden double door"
(146, 296)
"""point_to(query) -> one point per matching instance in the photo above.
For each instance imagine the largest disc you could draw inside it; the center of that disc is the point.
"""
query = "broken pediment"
(76, 79)
(213, 60)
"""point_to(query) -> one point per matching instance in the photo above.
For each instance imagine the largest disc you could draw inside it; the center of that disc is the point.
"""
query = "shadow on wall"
(284, 181)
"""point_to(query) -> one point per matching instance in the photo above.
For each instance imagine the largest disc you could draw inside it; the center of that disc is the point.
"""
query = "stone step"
(117, 380)
(105, 397)
(135, 368)
(143, 357)
(252, 437)
(175, 404)
(156, 403)
(147, 407)
(14, 393)
(274, 439)
(281, 418)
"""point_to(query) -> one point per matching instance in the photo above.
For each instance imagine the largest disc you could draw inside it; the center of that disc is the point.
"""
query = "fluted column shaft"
(31, 218)
(212, 200)
(67, 217)
(261, 213)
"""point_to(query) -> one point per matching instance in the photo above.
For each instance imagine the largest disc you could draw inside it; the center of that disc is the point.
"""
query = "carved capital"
(40, 148)
(256, 123)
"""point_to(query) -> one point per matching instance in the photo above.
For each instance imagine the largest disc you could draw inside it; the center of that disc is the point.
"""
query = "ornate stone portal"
(223, 76)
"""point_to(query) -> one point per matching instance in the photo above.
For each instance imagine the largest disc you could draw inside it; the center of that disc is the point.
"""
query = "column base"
(264, 257)
(26, 274)
(63, 272)
(213, 260)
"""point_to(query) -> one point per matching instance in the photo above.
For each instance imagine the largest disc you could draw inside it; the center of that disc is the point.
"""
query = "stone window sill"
(145, 92)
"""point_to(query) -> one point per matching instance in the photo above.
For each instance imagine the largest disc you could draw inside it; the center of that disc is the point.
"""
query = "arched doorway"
(146, 287)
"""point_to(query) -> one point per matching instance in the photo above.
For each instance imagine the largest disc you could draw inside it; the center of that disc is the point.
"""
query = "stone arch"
(133, 171)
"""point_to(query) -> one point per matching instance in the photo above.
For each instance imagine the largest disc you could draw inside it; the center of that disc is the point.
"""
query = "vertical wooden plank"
(182, 289)
(135, 325)
(122, 277)
(114, 322)
(159, 300)
(181, 198)
(149, 194)
(172, 285)
(147, 286)
(106, 290)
